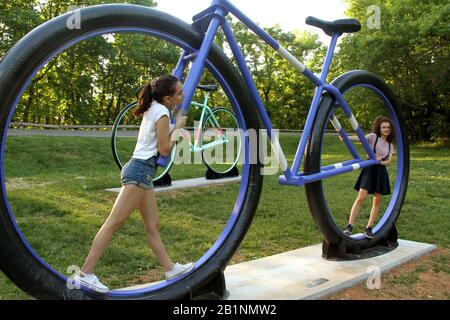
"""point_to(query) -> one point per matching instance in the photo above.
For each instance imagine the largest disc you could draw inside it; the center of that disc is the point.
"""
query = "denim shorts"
(139, 172)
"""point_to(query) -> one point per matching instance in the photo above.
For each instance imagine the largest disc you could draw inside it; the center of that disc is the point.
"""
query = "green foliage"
(410, 49)
(92, 81)
(286, 93)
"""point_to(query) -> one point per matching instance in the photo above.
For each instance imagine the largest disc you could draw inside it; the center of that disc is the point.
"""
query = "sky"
(289, 14)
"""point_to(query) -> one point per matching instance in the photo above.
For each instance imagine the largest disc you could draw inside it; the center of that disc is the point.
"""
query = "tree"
(286, 93)
(90, 82)
(411, 50)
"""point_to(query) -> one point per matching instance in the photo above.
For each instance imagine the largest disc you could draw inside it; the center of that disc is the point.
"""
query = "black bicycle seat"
(340, 26)
(208, 87)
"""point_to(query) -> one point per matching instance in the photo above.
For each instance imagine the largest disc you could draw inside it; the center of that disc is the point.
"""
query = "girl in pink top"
(374, 179)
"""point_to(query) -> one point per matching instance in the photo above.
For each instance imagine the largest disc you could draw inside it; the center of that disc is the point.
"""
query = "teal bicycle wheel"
(221, 132)
(124, 136)
(330, 200)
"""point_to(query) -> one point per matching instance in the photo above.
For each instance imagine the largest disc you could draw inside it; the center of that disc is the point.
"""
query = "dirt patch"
(22, 184)
(427, 278)
(238, 258)
(152, 275)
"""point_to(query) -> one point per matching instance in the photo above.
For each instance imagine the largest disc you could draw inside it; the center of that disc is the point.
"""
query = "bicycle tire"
(314, 191)
(115, 127)
(114, 145)
(205, 161)
(18, 260)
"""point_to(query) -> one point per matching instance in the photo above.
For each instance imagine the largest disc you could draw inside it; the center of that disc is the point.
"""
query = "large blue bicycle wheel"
(19, 260)
(331, 199)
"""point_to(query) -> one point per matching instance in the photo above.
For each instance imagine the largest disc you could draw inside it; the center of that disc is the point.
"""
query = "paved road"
(93, 133)
(66, 133)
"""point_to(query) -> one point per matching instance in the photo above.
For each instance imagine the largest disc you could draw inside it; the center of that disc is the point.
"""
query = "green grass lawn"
(56, 186)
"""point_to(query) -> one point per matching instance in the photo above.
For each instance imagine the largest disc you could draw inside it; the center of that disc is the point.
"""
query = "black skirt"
(374, 179)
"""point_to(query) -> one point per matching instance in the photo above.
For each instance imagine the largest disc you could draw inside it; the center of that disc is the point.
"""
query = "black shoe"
(368, 233)
(348, 230)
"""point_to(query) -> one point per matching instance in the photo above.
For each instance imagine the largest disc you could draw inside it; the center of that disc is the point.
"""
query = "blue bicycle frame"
(208, 21)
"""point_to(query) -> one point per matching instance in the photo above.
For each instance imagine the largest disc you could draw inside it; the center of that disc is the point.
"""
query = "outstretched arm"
(351, 138)
(166, 141)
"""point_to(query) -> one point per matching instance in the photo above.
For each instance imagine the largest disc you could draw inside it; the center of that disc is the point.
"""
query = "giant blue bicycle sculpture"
(32, 274)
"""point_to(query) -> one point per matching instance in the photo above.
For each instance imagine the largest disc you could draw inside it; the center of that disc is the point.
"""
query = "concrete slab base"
(189, 183)
(304, 274)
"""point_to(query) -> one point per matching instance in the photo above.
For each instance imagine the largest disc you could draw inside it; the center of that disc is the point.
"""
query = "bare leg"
(362, 195)
(149, 214)
(129, 198)
(375, 208)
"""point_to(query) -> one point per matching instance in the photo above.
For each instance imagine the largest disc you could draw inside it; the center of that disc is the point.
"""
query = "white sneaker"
(91, 281)
(179, 269)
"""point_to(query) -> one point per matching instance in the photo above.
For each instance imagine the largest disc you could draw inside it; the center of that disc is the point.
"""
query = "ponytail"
(155, 89)
(145, 99)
